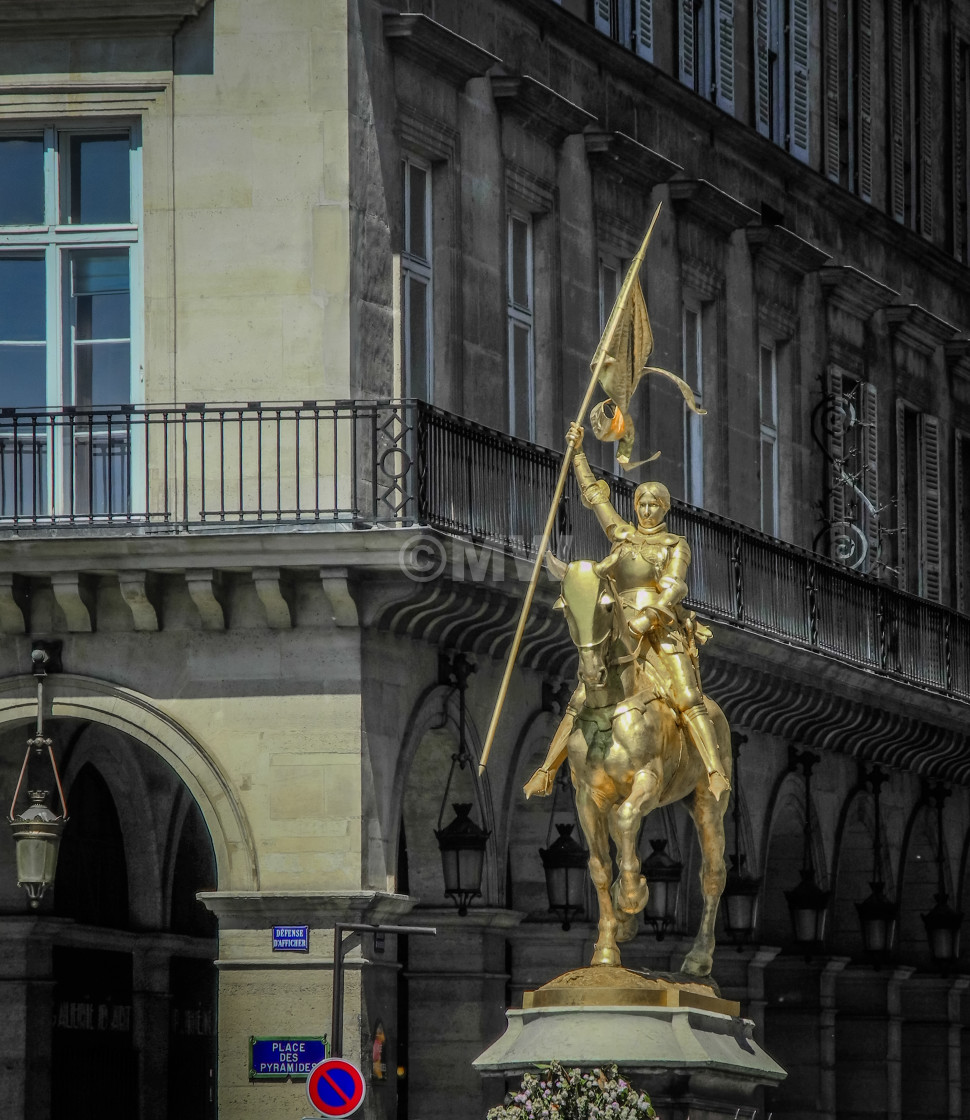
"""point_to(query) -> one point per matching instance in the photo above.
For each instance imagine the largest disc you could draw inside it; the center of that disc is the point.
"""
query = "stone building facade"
(293, 298)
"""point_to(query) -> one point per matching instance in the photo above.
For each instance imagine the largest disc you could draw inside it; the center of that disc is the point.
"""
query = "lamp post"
(742, 890)
(37, 830)
(565, 862)
(462, 843)
(942, 922)
(807, 902)
(662, 873)
(877, 913)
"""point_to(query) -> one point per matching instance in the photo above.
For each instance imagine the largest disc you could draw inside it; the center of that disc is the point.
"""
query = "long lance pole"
(632, 277)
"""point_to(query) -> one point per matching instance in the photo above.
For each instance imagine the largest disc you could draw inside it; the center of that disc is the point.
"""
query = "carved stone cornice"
(436, 48)
(851, 290)
(618, 154)
(786, 251)
(700, 277)
(957, 352)
(20, 19)
(539, 109)
(917, 328)
(712, 207)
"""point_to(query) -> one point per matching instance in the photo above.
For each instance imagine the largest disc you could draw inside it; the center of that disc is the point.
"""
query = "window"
(69, 272)
(961, 150)
(848, 95)
(912, 67)
(521, 313)
(918, 501)
(693, 367)
(610, 280)
(706, 37)
(629, 22)
(961, 521)
(781, 57)
(416, 284)
(768, 410)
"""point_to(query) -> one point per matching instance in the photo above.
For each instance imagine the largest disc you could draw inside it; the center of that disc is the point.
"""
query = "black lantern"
(462, 844)
(942, 922)
(662, 873)
(565, 863)
(877, 913)
(807, 903)
(741, 890)
(37, 830)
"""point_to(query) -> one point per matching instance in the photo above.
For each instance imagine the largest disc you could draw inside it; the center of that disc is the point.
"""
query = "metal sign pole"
(337, 1013)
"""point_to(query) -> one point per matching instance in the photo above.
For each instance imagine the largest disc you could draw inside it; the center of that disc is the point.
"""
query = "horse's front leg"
(593, 822)
(630, 890)
(708, 816)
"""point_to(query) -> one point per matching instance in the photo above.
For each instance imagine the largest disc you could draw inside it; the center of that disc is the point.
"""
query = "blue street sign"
(291, 939)
(285, 1057)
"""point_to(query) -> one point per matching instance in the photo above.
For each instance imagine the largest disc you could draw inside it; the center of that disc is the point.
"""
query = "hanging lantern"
(663, 878)
(565, 863)
(462, 847)
(807, 903)
(37, 830)
(877, 916)
(741, 894)
(942, 922)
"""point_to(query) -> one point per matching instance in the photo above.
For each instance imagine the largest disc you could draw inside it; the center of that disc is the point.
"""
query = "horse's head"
(587, 601)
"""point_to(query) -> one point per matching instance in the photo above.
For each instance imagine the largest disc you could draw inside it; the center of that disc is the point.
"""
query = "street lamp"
(877, 914)
(742, 890)
(37, 830)
(565, 862)
(462, 844)
(662, 873)
(942, 922)
(807, 902)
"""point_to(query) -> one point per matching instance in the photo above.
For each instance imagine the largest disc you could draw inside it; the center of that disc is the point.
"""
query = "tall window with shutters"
(961, 519)
(70, 324)
(629, 22)
(919, 560)
(693, 367)
(416, 280)
(847, 73)
(912, 67)
(960, 148)
(768, 411)
(521, 325)
(782, 37)
(706, 49)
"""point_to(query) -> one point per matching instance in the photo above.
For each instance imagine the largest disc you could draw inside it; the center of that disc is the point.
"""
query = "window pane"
(23, 376)
(99, 187)
(690, 347)
(767, 385)
(22, 180)
(22, 300)
(768, 486)
(102, 373)
(418, 241)
(519, 265)
(418, 364)
(521, 379)
(102, 301)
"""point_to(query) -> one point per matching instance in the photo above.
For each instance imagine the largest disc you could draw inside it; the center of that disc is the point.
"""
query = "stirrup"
(718, 784)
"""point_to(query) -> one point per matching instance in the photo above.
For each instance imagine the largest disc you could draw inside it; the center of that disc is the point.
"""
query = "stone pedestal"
(686, 1047)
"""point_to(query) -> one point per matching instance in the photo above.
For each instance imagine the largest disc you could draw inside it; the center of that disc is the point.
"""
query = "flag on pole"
(620, 361)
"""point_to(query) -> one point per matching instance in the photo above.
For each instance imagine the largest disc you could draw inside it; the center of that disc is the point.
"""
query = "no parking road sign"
(335, 1087)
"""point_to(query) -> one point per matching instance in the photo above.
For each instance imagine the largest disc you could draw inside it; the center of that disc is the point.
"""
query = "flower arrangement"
(556, 1093)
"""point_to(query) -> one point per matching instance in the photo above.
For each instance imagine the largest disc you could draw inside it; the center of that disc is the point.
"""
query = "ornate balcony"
(319, 465)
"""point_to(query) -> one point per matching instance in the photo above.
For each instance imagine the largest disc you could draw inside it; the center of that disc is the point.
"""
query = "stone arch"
(127, 711)
(435, 715)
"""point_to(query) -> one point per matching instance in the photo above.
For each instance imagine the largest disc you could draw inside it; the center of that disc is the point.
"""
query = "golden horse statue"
(629, 754)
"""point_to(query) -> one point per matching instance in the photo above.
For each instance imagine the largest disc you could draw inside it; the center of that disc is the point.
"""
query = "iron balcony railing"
(369, 463)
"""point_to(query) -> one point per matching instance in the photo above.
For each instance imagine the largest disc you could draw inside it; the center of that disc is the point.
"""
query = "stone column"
(26, 996)
(150, 1028)
(289, 994)
(458, 994)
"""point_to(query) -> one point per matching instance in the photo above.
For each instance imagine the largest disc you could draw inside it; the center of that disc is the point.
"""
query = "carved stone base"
(678, 1040)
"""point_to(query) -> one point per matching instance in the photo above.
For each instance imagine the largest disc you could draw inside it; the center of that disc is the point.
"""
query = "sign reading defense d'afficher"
(276, 1058)
(291, 939)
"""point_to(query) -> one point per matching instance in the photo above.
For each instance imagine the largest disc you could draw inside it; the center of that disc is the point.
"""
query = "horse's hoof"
(609, 954)
(627, 927)
(697, 964)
